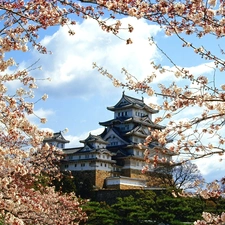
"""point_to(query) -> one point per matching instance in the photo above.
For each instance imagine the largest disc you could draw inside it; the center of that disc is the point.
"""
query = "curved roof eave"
(147, 108)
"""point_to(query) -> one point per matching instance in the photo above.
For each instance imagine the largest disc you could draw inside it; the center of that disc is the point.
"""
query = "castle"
(113, 159)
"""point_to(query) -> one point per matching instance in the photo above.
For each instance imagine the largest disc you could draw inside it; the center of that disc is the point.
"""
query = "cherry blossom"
(21, 23)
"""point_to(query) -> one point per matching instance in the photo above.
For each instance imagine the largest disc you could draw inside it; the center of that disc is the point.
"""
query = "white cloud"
(211, 168)
(70, 68)
(70, 65)
(202, 69)
(151, 100)
(40, 113)
(75, 140)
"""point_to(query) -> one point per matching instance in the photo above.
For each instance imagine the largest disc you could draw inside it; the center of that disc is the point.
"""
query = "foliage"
(84, 187)
(182, 19)
(128, 211)
(25, 196)
(101, 213)
(148, 207)
(22, 21)
(201, 134)
(77, 183)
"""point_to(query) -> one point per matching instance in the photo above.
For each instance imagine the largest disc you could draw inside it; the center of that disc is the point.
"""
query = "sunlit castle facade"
(113, 159)
(57, 140)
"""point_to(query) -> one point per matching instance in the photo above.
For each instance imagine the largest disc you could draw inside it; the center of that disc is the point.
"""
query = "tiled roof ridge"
(136, 100)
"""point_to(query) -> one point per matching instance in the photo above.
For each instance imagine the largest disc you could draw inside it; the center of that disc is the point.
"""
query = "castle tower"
(93, 160)
(57, 140)
(113, 159)
(128, 128)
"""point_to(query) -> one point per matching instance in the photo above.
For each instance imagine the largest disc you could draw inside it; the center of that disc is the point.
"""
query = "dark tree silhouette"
(183, 176)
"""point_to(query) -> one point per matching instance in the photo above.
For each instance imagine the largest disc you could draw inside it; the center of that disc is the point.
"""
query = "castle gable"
(128, 101)
(122, 103)
(57, 137)
(86, 148)
(114, 139)
(141, 130)
(93, 139)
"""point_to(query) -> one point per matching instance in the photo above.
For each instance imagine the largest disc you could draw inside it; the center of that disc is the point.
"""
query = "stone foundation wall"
(153, 179)
(157, 180)
(133, 173)
(100, 178)
(123, 187)
(154, 182)
(127, 187)
(96, 178)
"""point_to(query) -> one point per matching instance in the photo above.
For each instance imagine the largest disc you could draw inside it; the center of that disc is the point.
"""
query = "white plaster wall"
(119, 180)
(101, 166)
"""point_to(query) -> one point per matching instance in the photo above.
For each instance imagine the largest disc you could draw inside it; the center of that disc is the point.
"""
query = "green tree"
(85, 188)
(99, 213)
(128, 211)
(151, 208)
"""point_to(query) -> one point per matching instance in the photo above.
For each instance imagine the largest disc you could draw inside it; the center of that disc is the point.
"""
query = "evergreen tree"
(99, 213)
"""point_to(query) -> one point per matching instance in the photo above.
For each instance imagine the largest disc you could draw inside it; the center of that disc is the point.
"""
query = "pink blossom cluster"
(20, 169)
(200, 136)
(24, 158)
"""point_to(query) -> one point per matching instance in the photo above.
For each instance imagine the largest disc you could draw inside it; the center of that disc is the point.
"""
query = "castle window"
(86, 156)
(114, 143)
(62, 145)
(105, 164)
(137, 163)
(101, 164)
(70, 157)
(75, 165)
(118, 113)
(82, 164)
(66, 166)
(125, 113)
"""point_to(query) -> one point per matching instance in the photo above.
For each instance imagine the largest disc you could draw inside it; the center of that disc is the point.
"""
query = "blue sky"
(79, 95)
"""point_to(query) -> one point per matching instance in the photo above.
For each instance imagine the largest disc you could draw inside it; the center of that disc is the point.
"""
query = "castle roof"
(114, 131)
(94, 150)
(140, 120)
(94, 138)
(69, 151)
(131, 102)
(57, 137)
